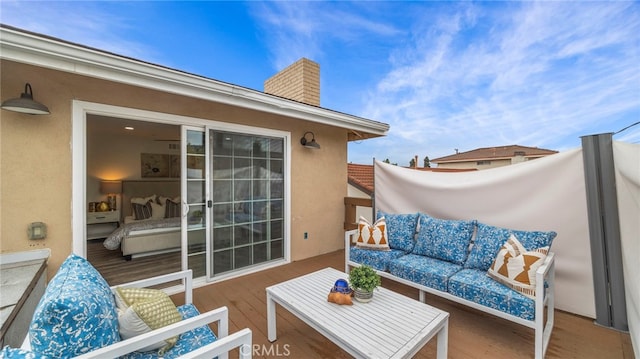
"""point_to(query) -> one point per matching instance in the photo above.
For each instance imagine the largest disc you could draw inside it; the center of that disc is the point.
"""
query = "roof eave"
(32, 49)
(355, 183)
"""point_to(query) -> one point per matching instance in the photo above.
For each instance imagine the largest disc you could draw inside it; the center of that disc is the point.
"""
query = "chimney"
(299, 82)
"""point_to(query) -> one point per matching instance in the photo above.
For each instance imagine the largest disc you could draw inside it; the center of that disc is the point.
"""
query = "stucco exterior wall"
(36, 160)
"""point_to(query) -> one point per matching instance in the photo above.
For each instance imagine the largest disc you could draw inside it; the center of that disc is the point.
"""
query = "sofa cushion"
(76, 314)
(187, 342)
(430, 272)
(372, 236)
(401, 230)
(141, 310)
(516, 267)
(476, 286)
(489, 239)
(376, 259)
(444, 239)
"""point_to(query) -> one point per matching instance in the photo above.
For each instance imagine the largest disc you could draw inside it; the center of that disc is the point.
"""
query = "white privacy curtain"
(546, 194)
(626, 158)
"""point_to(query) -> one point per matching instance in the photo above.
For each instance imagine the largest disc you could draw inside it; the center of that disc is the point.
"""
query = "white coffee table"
(390, 326)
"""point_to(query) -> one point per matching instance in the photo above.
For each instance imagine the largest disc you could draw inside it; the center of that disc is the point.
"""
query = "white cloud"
(86, 23)
(534, 74)
(305, 29)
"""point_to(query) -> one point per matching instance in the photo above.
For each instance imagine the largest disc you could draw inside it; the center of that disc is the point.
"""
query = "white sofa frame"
(544, 274)
(220, 348)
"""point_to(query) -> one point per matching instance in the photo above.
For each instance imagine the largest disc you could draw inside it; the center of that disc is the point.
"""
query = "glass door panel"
(247, 184)
(194, 198)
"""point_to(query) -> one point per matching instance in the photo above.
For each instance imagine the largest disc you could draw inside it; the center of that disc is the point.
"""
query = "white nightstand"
(101, 224)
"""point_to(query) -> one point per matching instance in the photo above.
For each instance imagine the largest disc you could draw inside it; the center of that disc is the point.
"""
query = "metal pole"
(604, 231)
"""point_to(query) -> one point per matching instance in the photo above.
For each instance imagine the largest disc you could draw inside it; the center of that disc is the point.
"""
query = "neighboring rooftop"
(495, 153)
(361, 177)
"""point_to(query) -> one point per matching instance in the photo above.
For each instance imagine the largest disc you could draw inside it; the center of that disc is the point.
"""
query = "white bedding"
(115, 239)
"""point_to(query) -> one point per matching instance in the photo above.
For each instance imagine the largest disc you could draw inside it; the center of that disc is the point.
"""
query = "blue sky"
(444, 75)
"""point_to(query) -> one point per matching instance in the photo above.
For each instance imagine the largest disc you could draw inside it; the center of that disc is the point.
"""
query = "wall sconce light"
(111, 189)
(26, 104)
(310, 144)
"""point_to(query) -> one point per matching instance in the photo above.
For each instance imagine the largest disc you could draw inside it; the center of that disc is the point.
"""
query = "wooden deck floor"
(472, 334)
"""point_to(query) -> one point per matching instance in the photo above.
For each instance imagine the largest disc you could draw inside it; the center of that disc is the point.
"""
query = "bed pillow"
(372, 236)
(142, 211)
(143, 200)
(516, 267)
(157, 210)
(141, 310)
(163, 199)
(171, 208)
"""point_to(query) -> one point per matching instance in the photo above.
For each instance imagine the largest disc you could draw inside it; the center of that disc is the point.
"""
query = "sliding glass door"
(248, 200)
(234, 200)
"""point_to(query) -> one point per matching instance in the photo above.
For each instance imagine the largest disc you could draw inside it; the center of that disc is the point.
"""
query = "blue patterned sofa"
(452, 259)
(77, 317)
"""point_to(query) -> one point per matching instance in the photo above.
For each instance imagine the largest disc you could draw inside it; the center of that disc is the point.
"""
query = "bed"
(141, 236)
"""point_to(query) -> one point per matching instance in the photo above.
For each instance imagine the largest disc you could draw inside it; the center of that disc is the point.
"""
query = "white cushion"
(516, 267)
(157, 210)
(372, 236)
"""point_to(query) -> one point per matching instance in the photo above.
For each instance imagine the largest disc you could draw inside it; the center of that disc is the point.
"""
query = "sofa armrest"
(241, 339)
(545, 274)
(348, 237)
(185, 276)
(220, 315)
(347, 245)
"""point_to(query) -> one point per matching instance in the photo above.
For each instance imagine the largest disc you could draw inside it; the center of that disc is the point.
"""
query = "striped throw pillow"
(171, 209)
(516, 267)
(372, 236)
(141, 211)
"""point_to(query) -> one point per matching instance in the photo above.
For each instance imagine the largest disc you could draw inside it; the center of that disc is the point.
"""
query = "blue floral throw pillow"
(76, 314)
(17, 353)
(444, 239)
(401, 230)
(489, 239)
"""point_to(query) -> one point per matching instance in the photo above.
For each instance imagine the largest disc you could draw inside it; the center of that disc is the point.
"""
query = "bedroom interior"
(126, 152)
(139, 232)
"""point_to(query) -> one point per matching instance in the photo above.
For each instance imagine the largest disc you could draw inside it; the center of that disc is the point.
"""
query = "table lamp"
(111, 189)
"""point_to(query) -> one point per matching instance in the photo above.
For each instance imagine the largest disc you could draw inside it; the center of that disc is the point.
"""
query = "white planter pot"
(362, 296)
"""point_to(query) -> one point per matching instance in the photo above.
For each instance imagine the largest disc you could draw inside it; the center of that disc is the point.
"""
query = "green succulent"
(364, 278)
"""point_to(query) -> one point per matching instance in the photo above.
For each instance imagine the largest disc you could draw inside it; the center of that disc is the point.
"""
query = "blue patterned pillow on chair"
(401, 230)
(444, 239)
(17, 353)
(76, 314)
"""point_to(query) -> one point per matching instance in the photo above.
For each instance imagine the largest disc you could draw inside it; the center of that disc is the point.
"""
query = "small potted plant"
(195, 217)
(363, 280)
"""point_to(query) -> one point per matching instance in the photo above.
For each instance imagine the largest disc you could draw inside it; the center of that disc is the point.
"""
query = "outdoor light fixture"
(26, 104)
(310, 144)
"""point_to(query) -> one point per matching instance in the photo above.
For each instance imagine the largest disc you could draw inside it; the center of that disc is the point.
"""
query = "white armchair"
(220, 348)
(75, 317)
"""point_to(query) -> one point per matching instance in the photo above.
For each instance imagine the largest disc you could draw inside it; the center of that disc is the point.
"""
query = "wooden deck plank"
(472, 334)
